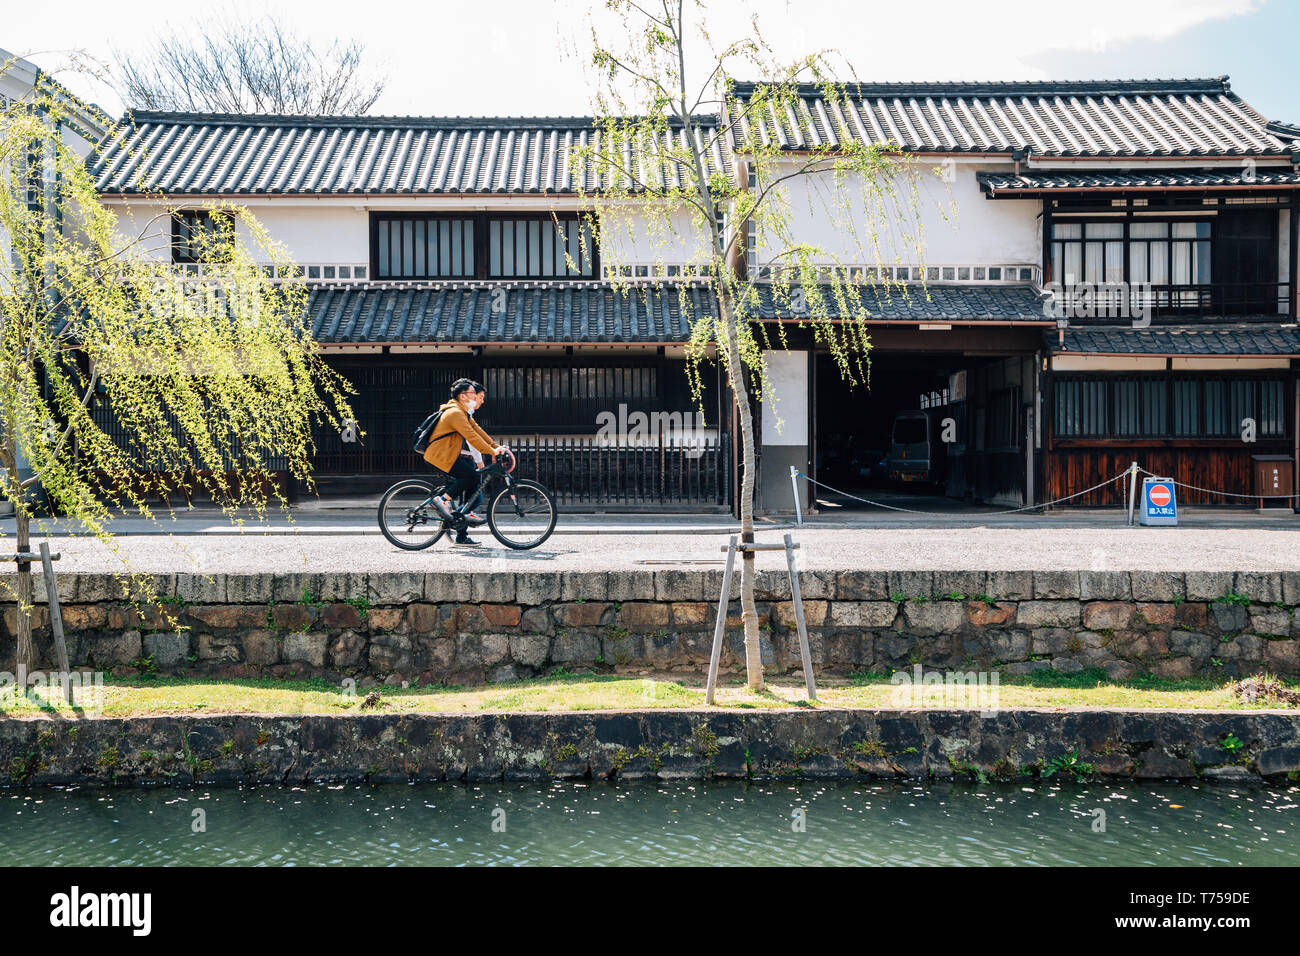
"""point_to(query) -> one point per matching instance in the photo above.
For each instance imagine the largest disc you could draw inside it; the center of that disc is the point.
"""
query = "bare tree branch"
(248, 67)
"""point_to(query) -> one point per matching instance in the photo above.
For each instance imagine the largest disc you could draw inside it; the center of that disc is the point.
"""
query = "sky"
(530, 57)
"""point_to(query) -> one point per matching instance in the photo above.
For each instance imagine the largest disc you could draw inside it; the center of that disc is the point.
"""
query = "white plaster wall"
(329, 232)
(319, 233)
(632, 236)
(17, 79)
(1284, 251)
(788, 373)
(311, 233)
(955, 221)
(1106, 363)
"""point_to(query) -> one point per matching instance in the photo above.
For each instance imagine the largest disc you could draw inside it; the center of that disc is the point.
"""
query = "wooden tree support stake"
(796, 597)
(56, 620)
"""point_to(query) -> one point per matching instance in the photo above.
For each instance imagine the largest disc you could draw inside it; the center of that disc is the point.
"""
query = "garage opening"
(931, 430)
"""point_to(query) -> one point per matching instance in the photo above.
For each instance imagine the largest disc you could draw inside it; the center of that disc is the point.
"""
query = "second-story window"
(538, 247)
(423, 247)
(482, 246)
(194, 231)
(1159, 253)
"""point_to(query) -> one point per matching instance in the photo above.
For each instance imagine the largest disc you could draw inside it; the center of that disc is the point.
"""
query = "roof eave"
(1183, 355)
(1015, 191)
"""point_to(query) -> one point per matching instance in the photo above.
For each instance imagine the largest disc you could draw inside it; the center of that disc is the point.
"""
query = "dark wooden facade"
(1207, 450)
(1218, 463)
(548, 408)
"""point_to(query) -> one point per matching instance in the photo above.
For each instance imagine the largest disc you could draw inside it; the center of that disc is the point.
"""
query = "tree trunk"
(25, 655)
(748, 610)
(25, 658)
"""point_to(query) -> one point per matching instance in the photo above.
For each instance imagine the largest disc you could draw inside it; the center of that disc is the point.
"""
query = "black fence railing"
(582, 470)
(587, 470)
(232, 453)
(1109, 303)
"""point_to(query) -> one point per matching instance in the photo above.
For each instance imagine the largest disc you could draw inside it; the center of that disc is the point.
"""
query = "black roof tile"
(575, 312)
(932, 303)
(235, 154)
(550, 313)
(1226, 340)
(1261, 177)
(1189, 117)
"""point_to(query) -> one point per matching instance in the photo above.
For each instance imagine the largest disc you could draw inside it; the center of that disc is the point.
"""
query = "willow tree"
(686, 154)
(121, 380)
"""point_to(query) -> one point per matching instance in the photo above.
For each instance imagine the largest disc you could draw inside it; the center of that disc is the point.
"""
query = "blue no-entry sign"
(1159, 503)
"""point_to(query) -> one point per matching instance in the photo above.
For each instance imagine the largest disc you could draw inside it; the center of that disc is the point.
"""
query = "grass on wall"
(563, 691)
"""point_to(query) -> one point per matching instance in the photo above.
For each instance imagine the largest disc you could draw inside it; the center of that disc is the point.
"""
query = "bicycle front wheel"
(522, 515)
(407, 516)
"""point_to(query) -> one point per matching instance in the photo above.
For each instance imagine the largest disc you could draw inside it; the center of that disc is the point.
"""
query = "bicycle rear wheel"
(407, 516)
(522, 515)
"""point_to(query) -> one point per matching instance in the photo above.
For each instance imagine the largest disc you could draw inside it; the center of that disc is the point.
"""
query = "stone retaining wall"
(828, 743)
(477, 627)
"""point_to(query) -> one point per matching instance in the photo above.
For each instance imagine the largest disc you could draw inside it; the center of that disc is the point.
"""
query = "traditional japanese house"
(1117, 284)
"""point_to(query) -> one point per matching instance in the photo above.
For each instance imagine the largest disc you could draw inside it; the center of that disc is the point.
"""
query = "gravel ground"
(903, 547)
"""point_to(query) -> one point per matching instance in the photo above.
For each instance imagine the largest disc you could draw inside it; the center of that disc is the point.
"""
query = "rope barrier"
(978, 514)
(1209, 491)
(1131, 472)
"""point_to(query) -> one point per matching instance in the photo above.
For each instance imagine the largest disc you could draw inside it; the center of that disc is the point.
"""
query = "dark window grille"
(1179, 406)
(189, 227)
(424, 248)
(1082, 410)
(569, 397)
(411, 246)
(1003, 420)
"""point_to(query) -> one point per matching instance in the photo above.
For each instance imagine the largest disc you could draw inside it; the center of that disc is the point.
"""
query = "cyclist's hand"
(500, 450)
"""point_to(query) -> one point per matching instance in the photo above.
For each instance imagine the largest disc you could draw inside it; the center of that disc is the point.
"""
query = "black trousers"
(464, 478)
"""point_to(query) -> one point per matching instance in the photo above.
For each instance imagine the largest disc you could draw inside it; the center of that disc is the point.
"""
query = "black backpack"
(421, 436)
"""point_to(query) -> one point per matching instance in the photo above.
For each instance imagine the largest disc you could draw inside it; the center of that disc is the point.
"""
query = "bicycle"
(521, 514)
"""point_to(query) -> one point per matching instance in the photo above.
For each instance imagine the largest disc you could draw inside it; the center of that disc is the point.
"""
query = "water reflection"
(646, 824)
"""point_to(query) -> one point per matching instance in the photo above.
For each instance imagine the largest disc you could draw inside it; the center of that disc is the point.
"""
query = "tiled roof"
(1189, 340)
(1048, 181)
(216, 154)
(527, 312)
(577, 312)
(935, 303)
(1053, 118)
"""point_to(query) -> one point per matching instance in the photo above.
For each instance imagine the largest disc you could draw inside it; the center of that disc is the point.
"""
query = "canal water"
(657, 824)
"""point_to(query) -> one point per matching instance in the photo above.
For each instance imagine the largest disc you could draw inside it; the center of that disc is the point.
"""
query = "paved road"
(1033, 544)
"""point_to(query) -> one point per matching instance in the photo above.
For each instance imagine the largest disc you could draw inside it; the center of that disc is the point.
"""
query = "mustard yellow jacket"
(444, 446)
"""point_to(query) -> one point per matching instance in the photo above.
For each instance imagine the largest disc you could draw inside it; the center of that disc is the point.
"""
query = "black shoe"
(465, 540)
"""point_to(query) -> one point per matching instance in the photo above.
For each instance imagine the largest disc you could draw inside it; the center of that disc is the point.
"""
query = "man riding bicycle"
(456, 427)
(416, 513)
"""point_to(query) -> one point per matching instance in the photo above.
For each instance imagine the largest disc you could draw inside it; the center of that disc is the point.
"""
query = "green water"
(657, 824)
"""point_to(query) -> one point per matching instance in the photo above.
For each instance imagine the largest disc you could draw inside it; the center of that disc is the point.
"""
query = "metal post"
(56, 620)
(1132, 490)
(794, 486)
(797, 597)
(721, 624)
